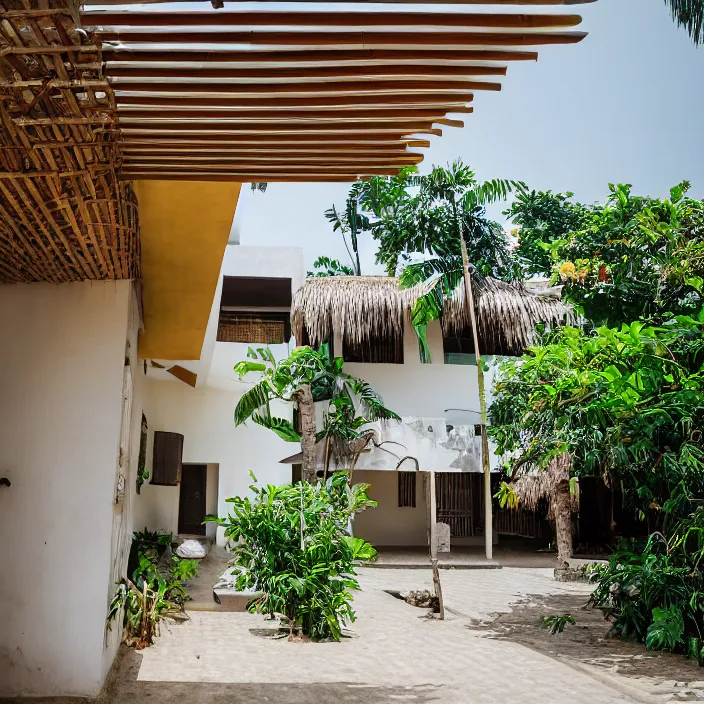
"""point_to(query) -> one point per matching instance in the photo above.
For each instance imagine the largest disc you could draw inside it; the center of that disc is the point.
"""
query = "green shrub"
(293, 545)
(654, 593)
(155, 591)
(557, 624)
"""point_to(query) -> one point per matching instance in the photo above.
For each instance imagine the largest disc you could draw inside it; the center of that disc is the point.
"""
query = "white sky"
(624, 105)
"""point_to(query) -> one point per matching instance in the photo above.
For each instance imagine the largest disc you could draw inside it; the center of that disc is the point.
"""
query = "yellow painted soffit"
(184, 228)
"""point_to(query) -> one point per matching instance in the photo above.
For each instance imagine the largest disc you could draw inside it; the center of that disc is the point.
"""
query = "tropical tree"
(626, 404)
(632, 258)
(690, 15)
(305, 376)
(325, 266)
(350, 222)
(543, 219)
(442, 216)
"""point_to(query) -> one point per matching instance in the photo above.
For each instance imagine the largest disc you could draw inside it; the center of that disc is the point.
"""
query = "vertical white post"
(434, 544)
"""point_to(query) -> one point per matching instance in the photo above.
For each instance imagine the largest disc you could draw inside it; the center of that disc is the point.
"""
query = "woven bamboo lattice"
(246, 328)
(64, 213)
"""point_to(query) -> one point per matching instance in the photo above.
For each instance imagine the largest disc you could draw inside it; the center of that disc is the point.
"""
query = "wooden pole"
(486, 469)
(434, 544)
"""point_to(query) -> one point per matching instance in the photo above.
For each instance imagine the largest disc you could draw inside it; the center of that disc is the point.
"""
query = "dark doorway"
(191, 504)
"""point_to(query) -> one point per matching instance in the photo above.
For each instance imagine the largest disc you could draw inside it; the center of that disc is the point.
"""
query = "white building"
(251, 306)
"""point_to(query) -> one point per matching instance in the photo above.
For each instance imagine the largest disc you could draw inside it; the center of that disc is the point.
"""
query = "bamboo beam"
(360, 87)
(56, 83)
(449, 102)
(410, 113)
(245, 18)
(363, 39)
(419, 53)
(49, 49)
(402, 72)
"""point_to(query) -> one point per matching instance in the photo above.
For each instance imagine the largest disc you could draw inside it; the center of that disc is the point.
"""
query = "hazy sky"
(624, 105)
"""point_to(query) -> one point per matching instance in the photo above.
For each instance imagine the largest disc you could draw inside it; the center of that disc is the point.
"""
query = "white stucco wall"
(61, 376)
(388, 524)
(205, 418)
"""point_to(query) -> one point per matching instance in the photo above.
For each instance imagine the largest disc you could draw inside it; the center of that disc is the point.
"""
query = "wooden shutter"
(168, 452)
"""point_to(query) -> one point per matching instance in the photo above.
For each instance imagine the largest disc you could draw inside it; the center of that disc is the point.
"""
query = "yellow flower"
(567, 271)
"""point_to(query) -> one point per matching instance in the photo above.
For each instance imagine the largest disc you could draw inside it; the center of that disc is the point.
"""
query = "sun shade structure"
(310, 94)
(362, 308)
(92, 99)
(65, 214)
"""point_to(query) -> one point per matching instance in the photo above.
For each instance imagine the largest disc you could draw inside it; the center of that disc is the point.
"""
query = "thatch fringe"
(359, 307)
(363, 307)
(539, 484)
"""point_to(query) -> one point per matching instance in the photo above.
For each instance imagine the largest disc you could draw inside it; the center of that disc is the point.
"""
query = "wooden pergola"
(307, 95)
(93, 99)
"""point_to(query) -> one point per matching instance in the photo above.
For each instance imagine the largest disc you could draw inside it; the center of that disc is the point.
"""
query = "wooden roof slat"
(364, 39)
(239, 177)
(360, 87)
(400, 72)
(274, 151)
(264, 168)
(317, 55)
(293, 18)
(530, 3)
(449, 101)
(238, 158)
(128, 114)
(280, 156)
(273, 139)
(330, 127)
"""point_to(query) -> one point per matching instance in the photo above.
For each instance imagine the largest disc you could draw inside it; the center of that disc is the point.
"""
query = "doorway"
(192, 499)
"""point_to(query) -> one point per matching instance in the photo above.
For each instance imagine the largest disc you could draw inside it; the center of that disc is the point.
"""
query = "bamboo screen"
(64, 213)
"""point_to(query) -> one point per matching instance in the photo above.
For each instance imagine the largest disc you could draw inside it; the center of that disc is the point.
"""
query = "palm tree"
(306, 376)
(443, 217)
(351, 223)
(690, 15)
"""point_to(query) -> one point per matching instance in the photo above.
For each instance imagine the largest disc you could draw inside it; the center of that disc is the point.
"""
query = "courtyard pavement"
(395, 653)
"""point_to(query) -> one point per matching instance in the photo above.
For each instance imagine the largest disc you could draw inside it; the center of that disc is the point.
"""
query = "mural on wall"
(431, 442)
(416, 443)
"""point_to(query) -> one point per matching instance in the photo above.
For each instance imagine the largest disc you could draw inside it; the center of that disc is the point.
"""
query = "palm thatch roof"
(539, 484)
(366, 307)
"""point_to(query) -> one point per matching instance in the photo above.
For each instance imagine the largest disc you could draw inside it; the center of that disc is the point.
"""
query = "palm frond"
(690, 15)
(254, 400)
(490, 192)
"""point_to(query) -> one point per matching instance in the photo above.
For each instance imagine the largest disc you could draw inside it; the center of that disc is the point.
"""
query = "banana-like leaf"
(282, 427)
(254, 400)
(244, 367)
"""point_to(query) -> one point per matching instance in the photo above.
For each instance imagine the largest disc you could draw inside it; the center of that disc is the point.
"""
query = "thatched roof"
(363, 307)
(531, 488)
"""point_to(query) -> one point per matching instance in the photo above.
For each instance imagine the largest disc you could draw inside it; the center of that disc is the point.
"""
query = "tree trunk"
(306, 413)
(486, 468)
(561, 506)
